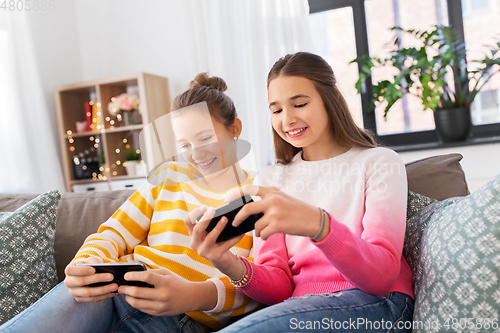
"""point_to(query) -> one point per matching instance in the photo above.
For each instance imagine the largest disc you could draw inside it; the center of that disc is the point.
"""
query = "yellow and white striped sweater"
(149, 227)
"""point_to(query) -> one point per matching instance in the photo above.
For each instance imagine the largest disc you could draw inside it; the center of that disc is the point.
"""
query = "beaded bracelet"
(323, 222)
(245, 279)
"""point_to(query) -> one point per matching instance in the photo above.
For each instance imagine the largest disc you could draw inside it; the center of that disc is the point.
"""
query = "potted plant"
(436, 72)
(132, 157)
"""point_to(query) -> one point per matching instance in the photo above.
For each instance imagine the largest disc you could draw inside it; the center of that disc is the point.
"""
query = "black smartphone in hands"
(118, 269)
(230, 210)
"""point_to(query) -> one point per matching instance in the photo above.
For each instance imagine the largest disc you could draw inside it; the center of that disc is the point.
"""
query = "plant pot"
(130, 167)
(453, 125)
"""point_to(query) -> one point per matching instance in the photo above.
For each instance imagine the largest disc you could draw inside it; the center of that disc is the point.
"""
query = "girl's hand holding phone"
(217, 253)
(79, 277)
(171, 295)
(282, 213)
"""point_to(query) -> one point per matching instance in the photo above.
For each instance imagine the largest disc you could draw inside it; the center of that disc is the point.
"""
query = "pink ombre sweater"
(364, 191)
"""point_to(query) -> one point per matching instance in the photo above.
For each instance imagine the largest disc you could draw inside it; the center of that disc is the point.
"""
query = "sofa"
(434, 184)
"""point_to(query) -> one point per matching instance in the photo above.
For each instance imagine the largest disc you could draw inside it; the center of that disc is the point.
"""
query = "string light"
(124, 140)
(127, 146)
(91, 138)
(96, 145)
(118, 162)
(69, 132)
(101, 169)
(115, 173)
(71, 140)
(117, 150)
(72, 148)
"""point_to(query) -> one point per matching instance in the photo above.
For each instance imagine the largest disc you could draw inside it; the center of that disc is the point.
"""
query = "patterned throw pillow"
(420, 209)
(27, 265)
(457, 285)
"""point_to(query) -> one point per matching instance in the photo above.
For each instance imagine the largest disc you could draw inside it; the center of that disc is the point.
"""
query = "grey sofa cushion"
(438, 177)
(78, 215)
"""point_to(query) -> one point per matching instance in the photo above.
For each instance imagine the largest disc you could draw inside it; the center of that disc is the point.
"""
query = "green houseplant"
(435, 72)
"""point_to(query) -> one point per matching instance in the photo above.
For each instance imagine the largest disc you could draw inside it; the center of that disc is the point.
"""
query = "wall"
(481, 163)
(120, 37)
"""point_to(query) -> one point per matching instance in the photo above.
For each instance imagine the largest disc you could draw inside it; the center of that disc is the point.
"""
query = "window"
(486, 107)
(472, 7)
(407, 123)
(333, 38)
(481, 29)
(408, 114)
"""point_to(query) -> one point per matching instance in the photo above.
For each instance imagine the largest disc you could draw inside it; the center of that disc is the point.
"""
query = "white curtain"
(29, 153)
(240, 41)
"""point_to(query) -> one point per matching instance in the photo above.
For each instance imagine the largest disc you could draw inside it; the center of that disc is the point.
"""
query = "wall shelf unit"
(94, 158)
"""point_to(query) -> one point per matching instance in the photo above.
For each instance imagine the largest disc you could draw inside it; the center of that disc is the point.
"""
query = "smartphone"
(118, 269)
(230, 210)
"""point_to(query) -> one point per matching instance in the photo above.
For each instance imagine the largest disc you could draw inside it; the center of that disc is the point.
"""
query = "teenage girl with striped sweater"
(189, 294)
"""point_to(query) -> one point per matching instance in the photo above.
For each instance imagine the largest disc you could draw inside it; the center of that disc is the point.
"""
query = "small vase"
(127, 117)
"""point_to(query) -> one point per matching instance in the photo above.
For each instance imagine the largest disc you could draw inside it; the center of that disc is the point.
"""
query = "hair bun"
(203, 80)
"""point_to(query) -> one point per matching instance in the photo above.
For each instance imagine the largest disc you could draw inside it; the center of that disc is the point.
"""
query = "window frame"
(423, 138)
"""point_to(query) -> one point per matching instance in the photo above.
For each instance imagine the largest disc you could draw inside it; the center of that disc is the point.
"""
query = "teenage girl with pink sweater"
(328, 250)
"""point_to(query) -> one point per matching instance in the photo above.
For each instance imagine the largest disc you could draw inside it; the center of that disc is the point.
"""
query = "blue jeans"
(350, 310)
(58, 311)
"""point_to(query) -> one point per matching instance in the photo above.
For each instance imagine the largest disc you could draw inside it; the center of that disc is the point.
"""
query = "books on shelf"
(88, 115)
(96, 117)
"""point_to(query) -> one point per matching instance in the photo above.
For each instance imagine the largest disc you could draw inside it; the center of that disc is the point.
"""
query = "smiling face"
(200, 138)
(298, 114)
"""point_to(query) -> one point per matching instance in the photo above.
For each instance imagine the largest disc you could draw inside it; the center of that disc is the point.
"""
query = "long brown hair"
(211, 90)
(342, 126)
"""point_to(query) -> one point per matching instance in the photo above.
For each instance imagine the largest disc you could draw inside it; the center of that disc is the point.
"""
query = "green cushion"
(27, 265)
(458, 271)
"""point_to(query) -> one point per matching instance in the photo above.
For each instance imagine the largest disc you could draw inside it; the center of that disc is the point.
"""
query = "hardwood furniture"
(95, 159)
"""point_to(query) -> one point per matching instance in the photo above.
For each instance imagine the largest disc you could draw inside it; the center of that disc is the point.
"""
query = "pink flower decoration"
(125, 103)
